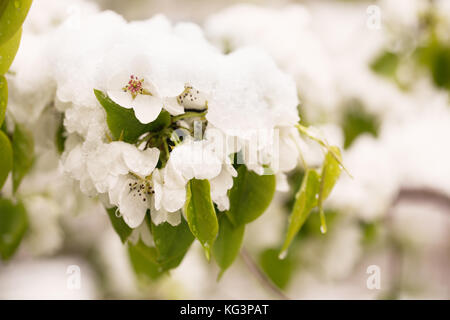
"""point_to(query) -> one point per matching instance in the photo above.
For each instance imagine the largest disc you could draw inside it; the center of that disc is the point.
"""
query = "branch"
(406, 194)
(262, 277)
(427, 195)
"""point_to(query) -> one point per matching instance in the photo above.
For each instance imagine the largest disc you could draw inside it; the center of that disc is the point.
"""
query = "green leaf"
(12, 15)
(440, 67)
(357, 121)
(14, 223)
(143, 261)
(305, 200)
(8, 51)
(23, 154)
(250, 196)
(6, 157)
(386, 64)
(228, 243)
(121, 228)
(3, 98)
(370, 231)
(123, 123)
(200, 213)
(331, 170)
(435, 56)
(312, 226)
(279, 271)
(172, 243)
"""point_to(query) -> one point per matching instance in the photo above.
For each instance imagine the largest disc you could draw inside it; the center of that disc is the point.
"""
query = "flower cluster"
(200, 112)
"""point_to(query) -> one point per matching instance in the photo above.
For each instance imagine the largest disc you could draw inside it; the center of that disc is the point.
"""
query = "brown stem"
(421, 195)
(263, 279)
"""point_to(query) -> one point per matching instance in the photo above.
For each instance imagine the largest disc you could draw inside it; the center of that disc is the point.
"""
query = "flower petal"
(132, 208)
(140, 162)
(115, 91)
(173, 107)
(173, 199)
(123, 99)
(282, 183)
(146, 108)
(158, 216)
(174, 218)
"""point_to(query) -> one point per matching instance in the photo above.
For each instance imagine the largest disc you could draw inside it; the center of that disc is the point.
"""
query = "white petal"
(75, 163)
(231, 170)
(173, 199)
(288, 154)
(173, 107)
(221, 184)
(123, 99)
(282, 183)
(208, 168)
(146, 108)
(133, 216)
(140, 162)
(158, 195)
(115, 91)
(222, 202)
(132, 208)
(173, 177)
(174, 218)
(158, 216)
(116, 190)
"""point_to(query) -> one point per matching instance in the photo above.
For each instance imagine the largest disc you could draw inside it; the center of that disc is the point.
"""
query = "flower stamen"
(141, 189)
(135, 87)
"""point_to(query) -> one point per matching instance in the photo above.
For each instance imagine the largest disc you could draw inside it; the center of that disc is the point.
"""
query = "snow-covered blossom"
(133, 88)
(194, 159)
(150, 66)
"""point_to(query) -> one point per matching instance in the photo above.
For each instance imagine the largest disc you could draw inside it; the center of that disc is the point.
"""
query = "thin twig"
(264, 280)
(407, 194)
(423, 195)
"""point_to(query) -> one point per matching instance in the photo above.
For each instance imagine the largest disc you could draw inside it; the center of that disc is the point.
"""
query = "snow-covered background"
(394, 213)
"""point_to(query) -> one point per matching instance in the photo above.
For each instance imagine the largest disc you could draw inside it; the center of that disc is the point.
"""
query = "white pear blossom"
(220, 186)
(192, 159)
(170, 194)
(132, 197)
(150, 66)
(160, 216)
(112, 168)
(107, 162)
(140, 94)
(192, 98)
(195, 159)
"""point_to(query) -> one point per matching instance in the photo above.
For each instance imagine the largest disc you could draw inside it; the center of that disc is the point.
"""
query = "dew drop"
(323, 229)
(282, 255)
